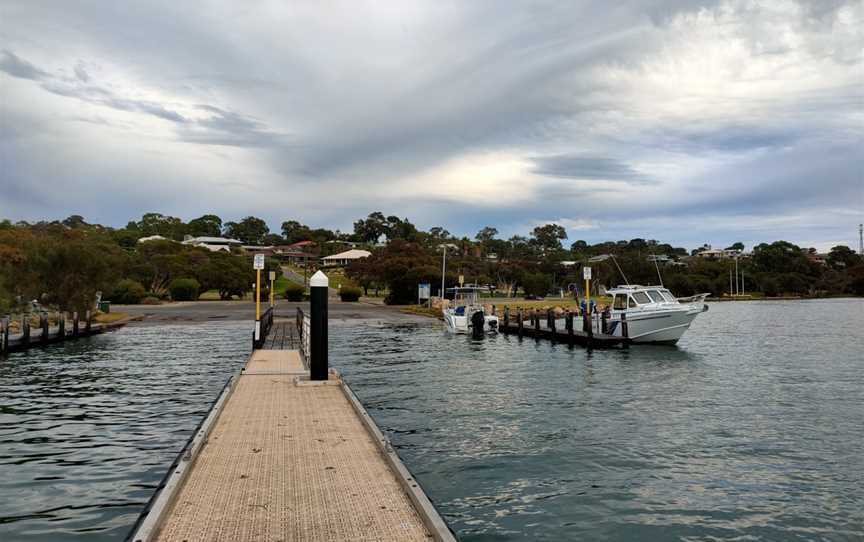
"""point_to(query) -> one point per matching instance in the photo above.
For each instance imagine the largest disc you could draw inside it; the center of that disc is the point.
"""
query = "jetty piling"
(593, 334)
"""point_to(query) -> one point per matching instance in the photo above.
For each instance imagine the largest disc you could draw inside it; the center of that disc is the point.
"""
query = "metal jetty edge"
(282, 457)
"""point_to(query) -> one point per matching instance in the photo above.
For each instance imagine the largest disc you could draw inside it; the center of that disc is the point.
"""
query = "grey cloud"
(18, 67)
(330, 98)
(579, 166)
(81, 72)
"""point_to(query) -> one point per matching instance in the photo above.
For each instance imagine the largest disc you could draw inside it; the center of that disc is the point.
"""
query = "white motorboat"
(654, 315)
(465, 313)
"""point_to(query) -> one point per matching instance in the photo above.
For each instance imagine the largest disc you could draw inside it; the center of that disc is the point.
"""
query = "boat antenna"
(627, 282)
(657, 267)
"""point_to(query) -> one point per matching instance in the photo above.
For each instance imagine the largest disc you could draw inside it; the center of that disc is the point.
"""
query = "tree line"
(65, 263)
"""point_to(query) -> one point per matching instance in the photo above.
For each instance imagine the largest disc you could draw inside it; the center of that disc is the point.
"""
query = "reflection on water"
(750, 429)
(88, 428)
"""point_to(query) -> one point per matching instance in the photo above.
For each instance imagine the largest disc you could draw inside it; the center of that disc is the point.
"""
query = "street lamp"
(444, 247)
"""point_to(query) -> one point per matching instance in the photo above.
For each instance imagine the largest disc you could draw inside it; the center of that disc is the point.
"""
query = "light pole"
(443, 248)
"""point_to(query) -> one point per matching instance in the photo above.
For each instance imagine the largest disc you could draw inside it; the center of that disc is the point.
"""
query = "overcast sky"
(686, 122)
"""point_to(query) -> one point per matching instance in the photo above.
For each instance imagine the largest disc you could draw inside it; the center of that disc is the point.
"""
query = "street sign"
(272, 275)
(586, 273)
(461, 280)
(258, 262)
(424, 290)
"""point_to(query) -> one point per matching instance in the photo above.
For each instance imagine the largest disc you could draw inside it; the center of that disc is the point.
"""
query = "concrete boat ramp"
(284, 458)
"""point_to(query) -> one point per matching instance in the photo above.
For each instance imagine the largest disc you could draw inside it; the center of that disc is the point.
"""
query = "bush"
(128, 292)
(184, 289)
(350, 293)
(294, 292)
(150, 300)
(535, 285)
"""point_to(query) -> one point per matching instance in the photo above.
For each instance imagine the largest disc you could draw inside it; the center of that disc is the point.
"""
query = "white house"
(214, 244)
(344, 258)
(152, 238)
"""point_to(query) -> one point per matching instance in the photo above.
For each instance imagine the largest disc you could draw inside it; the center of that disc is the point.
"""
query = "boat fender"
(704, 308)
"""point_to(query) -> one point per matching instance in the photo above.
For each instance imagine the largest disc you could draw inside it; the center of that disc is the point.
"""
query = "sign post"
(272, 287)
(586, 274)
(258, 265)
(424, 291)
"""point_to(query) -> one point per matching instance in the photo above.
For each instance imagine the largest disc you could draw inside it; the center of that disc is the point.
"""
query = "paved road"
(215, 311)
(298, 278)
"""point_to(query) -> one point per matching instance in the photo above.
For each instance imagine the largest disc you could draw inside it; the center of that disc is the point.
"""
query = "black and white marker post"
(318, 287)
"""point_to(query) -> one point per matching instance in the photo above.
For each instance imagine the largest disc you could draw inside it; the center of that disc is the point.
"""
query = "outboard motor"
(477, 323)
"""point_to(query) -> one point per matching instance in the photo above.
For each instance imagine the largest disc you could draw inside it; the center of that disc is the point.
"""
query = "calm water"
(751, 429)
(88, 428)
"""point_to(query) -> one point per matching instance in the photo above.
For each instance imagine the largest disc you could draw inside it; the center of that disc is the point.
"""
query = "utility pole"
(737, 291)
(861, 239)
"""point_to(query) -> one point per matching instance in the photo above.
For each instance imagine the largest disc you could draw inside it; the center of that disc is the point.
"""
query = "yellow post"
(588, 295)
(272, 280)
(257, 295)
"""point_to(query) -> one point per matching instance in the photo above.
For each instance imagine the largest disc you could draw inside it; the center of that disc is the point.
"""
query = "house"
(153, 238)
(344, 258)
(213, 244)
(718, 254)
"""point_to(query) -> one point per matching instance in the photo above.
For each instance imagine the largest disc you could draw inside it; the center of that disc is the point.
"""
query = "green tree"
(158, 224)
(74, 221)
(251, 230)
(485, 235)
(205, 226)
(294, 232)
(370, 229)
(842, 257)
(548, 237)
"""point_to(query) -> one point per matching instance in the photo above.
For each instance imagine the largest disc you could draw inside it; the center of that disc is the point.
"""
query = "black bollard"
(75, 324)
(625, 332)
(552, 322)
(506, 316)
(604, 322)
(318, 366)
(87, 319)
(536, 323)
(61, 333)
(520, 323)
(25, 330)
(43, 323)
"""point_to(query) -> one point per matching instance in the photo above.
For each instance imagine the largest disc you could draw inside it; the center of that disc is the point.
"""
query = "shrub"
(294, 292)
(128, 292)
(184, 289)
(535, 285)
(150, 300)
(350, 293)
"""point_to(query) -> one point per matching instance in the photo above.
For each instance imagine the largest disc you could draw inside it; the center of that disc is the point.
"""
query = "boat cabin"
(634, 297)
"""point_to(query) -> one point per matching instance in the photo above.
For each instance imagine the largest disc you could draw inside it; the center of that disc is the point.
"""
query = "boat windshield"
(668, 295)
(641, 298)
(655, 296)
(619, 302)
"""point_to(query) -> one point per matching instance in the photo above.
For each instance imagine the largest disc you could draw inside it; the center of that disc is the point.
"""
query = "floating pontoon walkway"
(281, 457)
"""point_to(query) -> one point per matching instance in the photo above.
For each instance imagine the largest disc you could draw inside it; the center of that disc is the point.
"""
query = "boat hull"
(462, 324)
(657, 327)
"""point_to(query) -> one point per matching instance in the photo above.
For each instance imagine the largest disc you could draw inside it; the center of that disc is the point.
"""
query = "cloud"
(575, 166)
(695, 121)
(17, 67)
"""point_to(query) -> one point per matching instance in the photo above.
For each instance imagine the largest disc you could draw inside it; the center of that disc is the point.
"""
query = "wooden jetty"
(567, 328)
(43, 335)
(284, 456)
